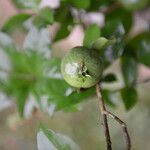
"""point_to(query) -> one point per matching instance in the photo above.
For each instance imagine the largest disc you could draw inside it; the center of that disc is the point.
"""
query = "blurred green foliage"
(56, 140)
(33, 73)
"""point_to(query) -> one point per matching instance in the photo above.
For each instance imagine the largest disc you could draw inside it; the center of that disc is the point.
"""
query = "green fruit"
(82, 67)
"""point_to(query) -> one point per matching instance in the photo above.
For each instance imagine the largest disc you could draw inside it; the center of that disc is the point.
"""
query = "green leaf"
(21, 97)
(97, 4)
(140, 46)
(143, 52)
(41, 76)
(109, 78)
(114, 31)
(92, 33)
(45, 17)
(62, 33)
(129, 96)
(133, 5)
(109, 97)
(129, 70)
(74, 108)
(50, 140)
(80, 3)
(100, 43)
(30, 63)
(15, 22)
(120, 15)
(27, 70)
(25, 4)
(62, 13)
(64, 17)
(38, 40)
(63, 98)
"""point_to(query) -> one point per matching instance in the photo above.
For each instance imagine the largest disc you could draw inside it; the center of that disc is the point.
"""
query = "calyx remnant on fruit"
(82, 67)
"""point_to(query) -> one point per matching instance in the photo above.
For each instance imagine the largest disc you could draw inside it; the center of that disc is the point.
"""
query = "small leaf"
(129, 96)
(24, 4)
(114, 31)
(140, 46)
(129, 70)
(62, 33)
(109, 78)
(62, 14)
(143, 53)
(50, 140)
(100, 43)
(24, 76)
(61, 98)
(109, 97)
(21, 97)
(44, 18)
(64, 17)
(120, 15)
(96, 4)
(15, 22)
(80, 3)
(92, 33)
(38, 40)
(43, 142)
(74, 108)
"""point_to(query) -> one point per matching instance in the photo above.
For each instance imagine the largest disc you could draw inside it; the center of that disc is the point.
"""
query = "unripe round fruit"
(82, 67)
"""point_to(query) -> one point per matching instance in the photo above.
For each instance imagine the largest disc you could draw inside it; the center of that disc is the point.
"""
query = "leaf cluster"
(34, 73)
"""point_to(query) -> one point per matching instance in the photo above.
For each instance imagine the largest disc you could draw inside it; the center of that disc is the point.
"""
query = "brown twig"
(106, 113)
(124, 127)
(104, 116)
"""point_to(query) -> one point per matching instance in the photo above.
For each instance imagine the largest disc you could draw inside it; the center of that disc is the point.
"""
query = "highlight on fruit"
(82, 67)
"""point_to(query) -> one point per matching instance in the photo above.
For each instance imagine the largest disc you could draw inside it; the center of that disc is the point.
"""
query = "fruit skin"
(82, 67)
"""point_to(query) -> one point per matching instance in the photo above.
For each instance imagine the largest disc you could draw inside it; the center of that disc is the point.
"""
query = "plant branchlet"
(106, 113)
